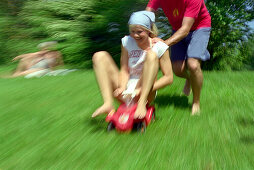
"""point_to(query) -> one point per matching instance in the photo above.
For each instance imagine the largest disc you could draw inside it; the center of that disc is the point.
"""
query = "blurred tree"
(247, 51)
(110, 24)
(83, 27)
(229, 30)
(11, 7)
(9, 28)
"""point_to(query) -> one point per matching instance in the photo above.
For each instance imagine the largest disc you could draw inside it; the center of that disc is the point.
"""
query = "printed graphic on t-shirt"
(136, 56)
(136, 62)
(175, 12)
(135, 53)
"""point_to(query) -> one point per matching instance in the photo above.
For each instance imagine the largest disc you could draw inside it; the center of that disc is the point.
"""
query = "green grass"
(45, 124)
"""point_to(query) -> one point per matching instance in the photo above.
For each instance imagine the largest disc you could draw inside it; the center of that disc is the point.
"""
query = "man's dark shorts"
(192, 46)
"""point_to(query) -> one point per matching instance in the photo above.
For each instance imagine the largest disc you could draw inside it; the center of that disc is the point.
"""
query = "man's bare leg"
(106, 73)
(196, 81)
(180, 70)
(187, 87)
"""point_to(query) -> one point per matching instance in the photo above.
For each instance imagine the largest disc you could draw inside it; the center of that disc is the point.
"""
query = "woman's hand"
(16, 58)
(118, 92)
(137, 93)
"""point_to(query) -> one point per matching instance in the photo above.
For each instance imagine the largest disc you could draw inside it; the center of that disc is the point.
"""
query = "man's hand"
(156, 39)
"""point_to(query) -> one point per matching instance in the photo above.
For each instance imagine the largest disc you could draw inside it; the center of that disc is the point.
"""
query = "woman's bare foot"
(140, 112)
(6, 76)
(187, 88)
(195, 109)
(104, 109)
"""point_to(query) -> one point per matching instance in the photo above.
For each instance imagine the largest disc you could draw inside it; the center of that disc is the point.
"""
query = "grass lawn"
(45, 123)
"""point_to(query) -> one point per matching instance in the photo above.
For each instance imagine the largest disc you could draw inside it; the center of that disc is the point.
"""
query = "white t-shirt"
(137, 55)
(136, 59)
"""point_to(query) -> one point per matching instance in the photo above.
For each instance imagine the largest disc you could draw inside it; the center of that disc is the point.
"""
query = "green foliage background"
(83, 27)
(229, 31)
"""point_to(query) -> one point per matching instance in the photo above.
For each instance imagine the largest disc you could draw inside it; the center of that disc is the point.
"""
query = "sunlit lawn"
(45, 123)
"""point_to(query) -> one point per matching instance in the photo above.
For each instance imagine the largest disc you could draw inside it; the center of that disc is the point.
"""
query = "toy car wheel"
(141, 127)
(153, 117)
(110, 127)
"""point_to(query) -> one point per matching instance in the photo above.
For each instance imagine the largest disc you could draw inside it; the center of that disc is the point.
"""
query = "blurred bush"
(83, 27)
(247, 51)
(230, 30)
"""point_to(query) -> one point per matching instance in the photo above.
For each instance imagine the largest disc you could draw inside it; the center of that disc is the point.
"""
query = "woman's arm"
(166, 69)
(30, 55)
(22, 56)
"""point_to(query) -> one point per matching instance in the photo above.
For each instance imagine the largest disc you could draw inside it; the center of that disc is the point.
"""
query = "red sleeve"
(192, 8)
(154, 4)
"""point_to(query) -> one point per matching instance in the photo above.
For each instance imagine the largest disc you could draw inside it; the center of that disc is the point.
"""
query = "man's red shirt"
(175, 10)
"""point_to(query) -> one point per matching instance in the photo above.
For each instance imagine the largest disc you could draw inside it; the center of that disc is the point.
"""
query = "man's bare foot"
(140, 112)
(104, 109)
(187, 88)
(195, 109)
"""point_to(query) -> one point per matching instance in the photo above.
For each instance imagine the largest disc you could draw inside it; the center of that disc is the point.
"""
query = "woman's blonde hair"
(152, 33)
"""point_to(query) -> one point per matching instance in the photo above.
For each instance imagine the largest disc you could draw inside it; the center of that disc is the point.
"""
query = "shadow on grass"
(99, 124)
(246, 122)
(176, 100)
(247, 139)
(96, 124)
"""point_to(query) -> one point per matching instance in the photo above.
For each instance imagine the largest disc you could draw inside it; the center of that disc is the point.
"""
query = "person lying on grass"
(41, 60)
(140, 61)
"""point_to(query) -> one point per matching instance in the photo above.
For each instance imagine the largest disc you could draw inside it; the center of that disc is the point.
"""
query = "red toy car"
(123, 119)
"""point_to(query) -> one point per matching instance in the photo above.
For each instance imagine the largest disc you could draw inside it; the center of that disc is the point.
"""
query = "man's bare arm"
(182, 32)
(150, 9)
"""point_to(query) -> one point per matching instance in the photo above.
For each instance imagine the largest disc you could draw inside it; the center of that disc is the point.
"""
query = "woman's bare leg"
(24, 64)
(150, 71)
(106, 73)
(23, 73)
